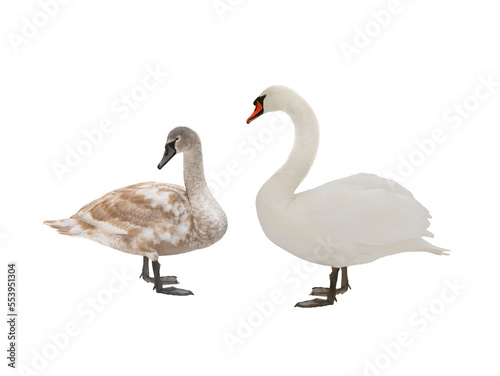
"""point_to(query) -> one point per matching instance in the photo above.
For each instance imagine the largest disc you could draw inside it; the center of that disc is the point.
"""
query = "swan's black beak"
(259, 109)
(169, 153)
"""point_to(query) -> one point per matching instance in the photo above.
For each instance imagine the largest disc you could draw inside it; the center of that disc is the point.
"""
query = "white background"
(372, 110)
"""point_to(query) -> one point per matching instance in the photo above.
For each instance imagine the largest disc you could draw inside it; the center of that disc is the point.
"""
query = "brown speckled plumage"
(155, 219)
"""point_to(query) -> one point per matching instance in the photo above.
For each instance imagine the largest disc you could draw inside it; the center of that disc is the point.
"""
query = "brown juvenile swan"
(155, 219)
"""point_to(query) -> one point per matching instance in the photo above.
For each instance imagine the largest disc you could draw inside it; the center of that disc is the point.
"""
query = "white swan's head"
(179, 140)
(274, 98)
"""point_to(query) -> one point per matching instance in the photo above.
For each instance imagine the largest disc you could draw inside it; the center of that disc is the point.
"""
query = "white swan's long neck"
(286, 180)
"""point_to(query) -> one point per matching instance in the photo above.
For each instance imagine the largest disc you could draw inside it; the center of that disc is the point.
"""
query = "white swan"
(155, 219)
(345, 222)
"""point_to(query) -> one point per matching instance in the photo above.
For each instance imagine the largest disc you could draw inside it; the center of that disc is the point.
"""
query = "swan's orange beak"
(259, 108)
(256, 113)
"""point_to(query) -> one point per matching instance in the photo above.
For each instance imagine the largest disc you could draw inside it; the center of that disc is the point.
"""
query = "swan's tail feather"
(428, 247)
(422, 245)
(68, 226)
(428, 234)
(439, 251)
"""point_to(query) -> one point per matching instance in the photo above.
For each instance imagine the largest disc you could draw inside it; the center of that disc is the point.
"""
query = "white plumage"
(349, 221)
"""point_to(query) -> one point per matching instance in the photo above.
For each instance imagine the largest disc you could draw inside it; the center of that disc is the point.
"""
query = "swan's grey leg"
(159, 284)
(170, 280)
(330, 297)
(323, 291)
(145, 270)
(333, 285)
(345, 282)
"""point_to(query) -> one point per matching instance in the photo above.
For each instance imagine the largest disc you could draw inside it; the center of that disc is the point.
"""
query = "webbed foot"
(167, 280)
(174, 291)
(323, 291)
(313, 303)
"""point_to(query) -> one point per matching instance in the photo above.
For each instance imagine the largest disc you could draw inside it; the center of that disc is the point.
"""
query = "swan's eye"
(259, 100)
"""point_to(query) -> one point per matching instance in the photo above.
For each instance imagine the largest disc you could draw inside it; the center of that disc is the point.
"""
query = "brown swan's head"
(179, 140)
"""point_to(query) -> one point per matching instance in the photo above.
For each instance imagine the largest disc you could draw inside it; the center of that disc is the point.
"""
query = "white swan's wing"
(364, 181)
(145, 205)
(364, 209)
